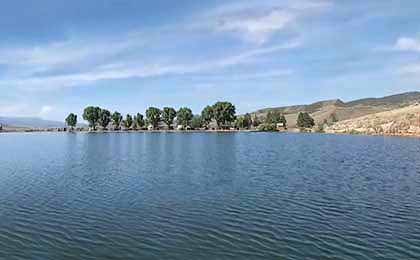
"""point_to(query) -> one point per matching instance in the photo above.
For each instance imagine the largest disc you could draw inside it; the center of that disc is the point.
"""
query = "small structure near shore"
(281, 127)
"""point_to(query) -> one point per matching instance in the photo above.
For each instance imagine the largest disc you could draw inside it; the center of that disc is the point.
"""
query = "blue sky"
(57, 57)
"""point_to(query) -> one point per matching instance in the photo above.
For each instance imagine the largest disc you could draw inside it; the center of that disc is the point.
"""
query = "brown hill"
(336, 110)
(400, 121)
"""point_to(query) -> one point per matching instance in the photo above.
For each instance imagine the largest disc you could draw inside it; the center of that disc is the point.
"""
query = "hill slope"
(337, 110)
(400, 121)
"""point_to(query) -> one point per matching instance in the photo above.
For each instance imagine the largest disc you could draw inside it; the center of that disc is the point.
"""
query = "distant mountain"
(311, 108)
(337, 110)
(399, 100)
(29, 122)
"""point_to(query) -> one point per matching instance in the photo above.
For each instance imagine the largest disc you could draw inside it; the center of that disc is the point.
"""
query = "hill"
(400, 121)
(29, 122)
(336, 110)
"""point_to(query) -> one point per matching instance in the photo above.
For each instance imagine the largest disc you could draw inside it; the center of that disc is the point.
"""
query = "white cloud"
(68, 51)
(257, 29)
(257, 21)
(263, 75)
(26, 61)
(298, 6)
(412, 45)
(248, 55)
(250, 75)
(131, 70)
(81, 61)
(407, 44)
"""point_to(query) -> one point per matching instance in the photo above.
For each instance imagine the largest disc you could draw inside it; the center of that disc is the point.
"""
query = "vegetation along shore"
(219, 117)
(391, 115)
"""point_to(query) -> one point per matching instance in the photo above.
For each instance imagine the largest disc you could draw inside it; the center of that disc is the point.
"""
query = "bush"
(354, 132)
(267, 128)
(305, 121)
(320, 128)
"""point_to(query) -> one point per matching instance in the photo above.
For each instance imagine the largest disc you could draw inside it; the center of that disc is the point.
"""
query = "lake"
(208, 196)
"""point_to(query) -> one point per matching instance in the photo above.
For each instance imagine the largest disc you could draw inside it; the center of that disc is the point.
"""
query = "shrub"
(267, 127)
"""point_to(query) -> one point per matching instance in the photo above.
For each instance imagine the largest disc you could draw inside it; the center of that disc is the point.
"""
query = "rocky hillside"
(336, 110)
(400, 121)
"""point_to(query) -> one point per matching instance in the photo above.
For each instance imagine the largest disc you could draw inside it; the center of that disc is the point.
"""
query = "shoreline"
(295, 131)
(123, 131)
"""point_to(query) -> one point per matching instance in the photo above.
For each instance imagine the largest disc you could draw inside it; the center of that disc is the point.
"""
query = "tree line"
(222, 113)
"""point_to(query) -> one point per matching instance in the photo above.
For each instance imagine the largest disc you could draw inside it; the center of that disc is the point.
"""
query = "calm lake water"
(208, 196)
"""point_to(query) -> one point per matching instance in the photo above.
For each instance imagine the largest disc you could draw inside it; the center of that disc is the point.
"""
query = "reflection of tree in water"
(99, 159)
(219, 160)
(73, 155)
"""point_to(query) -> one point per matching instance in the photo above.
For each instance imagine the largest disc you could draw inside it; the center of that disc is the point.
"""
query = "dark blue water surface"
(208, 196)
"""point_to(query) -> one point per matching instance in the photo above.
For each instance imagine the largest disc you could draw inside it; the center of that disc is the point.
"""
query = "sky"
(58, 57)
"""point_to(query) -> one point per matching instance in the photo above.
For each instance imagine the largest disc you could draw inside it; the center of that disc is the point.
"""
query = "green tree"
(116, 120)
(334, 118)
(184, 116)
(224, 114)
(196, 122)
(128, 122)
(104, 118)
(91, 114)
(283, 121)
(240, 122)
(134, 125)
(247, 121)
(256, 122)
(305, 120)
(207, 116)
(269, 118)
(168, 116)
(153, 115)
(243, 122)
(273, 117)
(320, 128)
(71, 120)
(139, 121)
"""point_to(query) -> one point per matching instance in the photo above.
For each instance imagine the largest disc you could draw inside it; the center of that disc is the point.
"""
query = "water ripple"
(199, 196)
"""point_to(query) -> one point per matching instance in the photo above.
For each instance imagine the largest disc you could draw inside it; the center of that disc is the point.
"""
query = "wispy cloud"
(258, 22)
(70, 54)
(298, 6)
(249, 75)
(82, 60)
(248, 55)
(257, 28)
(131, 69)
(408, 67)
